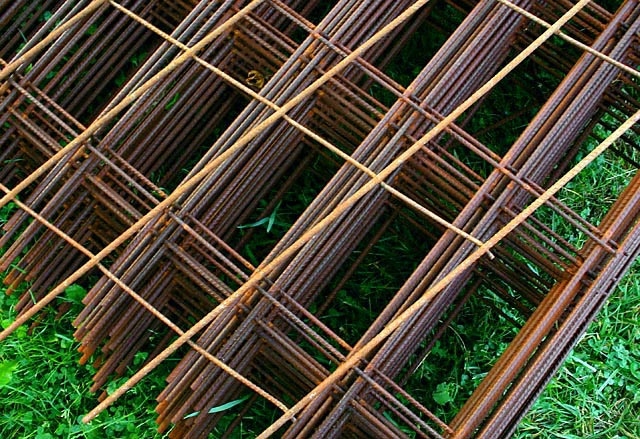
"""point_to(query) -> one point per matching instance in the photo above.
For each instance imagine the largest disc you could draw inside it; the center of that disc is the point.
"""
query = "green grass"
(596, 394)
(44, 392)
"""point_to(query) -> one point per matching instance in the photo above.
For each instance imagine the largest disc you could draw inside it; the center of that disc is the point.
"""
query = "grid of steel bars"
(222, 174)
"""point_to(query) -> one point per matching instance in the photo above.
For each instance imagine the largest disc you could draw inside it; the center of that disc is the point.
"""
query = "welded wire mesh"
(226, 176)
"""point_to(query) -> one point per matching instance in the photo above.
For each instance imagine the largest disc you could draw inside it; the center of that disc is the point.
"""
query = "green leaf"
(6, 371)
(390, 419)
(272, 217)
(47, 15)
(137, 59)
(21, 332)
(222, 407)
(269, 220)
(256, 224)
(172, 102)
(251, 255)
(65, 341)
(228, 405)
(441, 394)
(75, 293)
(634, 368)
(120, 79)
(92, 29)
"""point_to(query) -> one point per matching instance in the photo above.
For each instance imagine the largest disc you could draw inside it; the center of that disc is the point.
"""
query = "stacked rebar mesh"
(226, 175)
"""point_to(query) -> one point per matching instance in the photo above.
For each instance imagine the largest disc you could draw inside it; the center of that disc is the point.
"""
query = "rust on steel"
(225, 176)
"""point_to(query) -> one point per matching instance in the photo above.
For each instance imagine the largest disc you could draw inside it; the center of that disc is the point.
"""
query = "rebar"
(223, 174)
